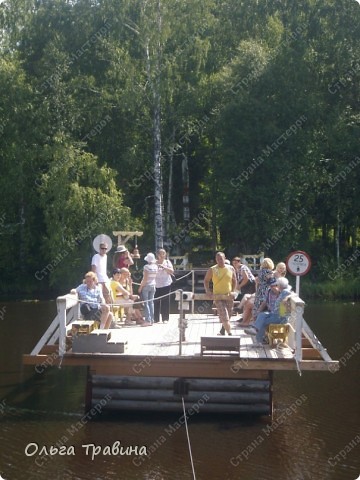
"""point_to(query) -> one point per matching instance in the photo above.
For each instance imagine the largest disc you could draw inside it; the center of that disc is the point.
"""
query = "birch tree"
(153, 48)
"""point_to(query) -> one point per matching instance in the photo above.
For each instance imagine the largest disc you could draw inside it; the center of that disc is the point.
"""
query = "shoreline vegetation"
(340, 289)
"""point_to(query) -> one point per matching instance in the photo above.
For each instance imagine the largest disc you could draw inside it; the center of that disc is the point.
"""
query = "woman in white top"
(147, 287)
(163, 287)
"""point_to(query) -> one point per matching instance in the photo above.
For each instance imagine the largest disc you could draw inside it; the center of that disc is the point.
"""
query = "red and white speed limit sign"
(298, 263)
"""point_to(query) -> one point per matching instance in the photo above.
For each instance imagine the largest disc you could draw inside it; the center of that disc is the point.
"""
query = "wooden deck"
(155, 368)
(162, 339)
(161, 343)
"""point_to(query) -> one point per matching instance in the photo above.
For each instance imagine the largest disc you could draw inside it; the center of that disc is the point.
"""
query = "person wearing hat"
(122, 258)
(99, 267)
(147, 287)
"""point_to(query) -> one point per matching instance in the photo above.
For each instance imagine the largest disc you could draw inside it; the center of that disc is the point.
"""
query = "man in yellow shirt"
(223, 278)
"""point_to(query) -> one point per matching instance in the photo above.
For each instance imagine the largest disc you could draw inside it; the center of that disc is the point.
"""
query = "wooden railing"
(300, 328)
(253, 260)
(296, 322)
(180, 262)
(298, 325)
(67, 311)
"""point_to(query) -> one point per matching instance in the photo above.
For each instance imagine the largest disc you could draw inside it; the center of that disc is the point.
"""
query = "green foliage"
(261, 98)
(80, 200)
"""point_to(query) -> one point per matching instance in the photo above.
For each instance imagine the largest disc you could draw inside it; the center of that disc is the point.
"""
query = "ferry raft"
(182, 363)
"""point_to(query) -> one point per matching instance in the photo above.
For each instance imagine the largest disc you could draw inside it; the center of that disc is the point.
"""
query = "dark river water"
(315, 433)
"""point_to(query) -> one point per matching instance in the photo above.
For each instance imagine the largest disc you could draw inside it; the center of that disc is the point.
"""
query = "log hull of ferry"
(166, 394)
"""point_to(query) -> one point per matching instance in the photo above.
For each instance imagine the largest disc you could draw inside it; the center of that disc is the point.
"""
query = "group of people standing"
(99, 295)
(263, 298)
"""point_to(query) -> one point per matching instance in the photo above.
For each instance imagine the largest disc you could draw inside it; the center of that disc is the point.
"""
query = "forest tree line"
(208, 124)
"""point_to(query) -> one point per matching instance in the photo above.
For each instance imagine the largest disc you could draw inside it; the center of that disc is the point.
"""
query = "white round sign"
(102, 238)
(298, 263)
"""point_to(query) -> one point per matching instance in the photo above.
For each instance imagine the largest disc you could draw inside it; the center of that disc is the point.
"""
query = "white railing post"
(181, 321)
(193, 291)
(61, 308)
(299, 311)
(296, 322)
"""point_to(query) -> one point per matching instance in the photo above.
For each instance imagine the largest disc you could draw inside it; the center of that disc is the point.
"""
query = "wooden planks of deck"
(162, 339)
(158, 345)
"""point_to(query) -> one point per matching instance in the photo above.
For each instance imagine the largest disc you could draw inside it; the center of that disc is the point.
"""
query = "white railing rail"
(67, 311)
(300, 328)
(296, 322)
(67, 308)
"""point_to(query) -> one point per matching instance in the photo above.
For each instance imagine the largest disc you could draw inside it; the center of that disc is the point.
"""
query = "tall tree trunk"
(185, 178)
(154, 82)
(158, 192)
(169, 210)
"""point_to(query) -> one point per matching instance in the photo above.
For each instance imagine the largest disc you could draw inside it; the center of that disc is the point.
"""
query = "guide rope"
(188, 439)
(130, 303)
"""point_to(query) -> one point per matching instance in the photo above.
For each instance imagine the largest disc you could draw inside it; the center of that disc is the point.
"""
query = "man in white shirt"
(99, 266)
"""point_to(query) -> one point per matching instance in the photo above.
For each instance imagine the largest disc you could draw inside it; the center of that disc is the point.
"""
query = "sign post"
(298, 263)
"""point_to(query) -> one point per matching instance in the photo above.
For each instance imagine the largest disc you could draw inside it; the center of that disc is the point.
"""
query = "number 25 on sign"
(298, 263)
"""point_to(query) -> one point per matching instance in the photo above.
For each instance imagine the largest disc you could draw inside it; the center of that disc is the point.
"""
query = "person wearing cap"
(122, 258)
(279, 315)
(147, 287)
(99, 266)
